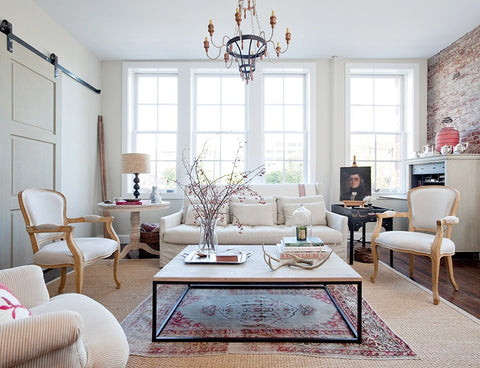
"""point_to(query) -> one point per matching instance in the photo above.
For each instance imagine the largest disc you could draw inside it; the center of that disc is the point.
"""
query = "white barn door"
(29, 142)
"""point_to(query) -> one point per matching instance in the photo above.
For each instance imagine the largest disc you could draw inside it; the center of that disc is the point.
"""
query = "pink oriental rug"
(264, 313)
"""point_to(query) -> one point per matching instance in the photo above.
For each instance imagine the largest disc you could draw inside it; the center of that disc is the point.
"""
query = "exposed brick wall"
(454, 90)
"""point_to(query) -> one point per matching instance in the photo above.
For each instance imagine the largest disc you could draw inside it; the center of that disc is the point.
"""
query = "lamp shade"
(135, 163)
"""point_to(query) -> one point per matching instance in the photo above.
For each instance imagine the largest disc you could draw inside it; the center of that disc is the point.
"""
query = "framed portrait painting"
(355, 183)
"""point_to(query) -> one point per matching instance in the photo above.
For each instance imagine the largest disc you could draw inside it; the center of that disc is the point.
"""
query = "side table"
(358, 217)
(134, 210)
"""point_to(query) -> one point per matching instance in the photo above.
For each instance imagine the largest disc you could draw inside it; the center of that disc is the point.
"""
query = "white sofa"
(68, 330)
(177, 230)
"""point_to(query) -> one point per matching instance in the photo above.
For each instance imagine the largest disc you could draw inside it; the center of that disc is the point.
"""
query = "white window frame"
(254, 109)
(411, 105)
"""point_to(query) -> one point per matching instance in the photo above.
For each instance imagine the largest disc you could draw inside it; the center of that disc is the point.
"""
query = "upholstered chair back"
(429, 204)
(44, 207)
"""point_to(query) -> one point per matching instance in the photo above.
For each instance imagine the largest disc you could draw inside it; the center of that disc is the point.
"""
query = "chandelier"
(246, 49)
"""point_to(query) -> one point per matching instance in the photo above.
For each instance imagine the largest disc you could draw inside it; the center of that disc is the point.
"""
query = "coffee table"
(254, 273)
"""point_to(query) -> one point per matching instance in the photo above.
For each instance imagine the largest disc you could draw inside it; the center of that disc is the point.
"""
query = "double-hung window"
(379, 122)
(220, 123)
(285, 129)
(155, 125)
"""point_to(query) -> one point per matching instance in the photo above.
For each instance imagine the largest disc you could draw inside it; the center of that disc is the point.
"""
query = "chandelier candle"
(246, 48)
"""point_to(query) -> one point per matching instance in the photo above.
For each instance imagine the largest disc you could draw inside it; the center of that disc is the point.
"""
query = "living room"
(444, 82)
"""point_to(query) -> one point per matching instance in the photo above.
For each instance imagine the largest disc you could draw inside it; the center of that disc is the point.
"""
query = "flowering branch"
(214, 193)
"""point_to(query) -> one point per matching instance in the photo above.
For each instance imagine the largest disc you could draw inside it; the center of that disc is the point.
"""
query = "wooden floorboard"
(466, 269)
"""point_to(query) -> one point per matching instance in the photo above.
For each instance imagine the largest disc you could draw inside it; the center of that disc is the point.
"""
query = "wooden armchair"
(51, 235)
(431, 209)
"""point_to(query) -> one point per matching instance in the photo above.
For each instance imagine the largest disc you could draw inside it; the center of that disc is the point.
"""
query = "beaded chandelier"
(245, 49)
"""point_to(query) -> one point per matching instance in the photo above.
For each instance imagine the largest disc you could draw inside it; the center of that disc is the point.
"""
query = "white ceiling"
(175, 29)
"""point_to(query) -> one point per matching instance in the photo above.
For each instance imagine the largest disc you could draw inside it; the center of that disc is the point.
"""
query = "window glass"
(376, 127)
(284, 128)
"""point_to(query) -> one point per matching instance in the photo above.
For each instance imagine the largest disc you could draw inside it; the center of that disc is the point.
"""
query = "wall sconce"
(136, 163)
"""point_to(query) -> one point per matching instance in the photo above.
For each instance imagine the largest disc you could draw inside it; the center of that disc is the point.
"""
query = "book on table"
(312, 243)
(306, 253)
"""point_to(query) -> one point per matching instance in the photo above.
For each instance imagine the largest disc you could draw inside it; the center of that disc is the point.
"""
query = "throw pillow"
(191, 218)
(281, 200)
(317, 210)
(252, 214)
(10, 307)
(268, 200)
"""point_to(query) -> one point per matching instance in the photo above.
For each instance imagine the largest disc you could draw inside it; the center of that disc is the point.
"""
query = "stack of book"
(312, 248)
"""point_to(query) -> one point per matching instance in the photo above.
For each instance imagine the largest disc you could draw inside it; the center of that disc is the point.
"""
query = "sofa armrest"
(32, 337)
(27, 284)
(169, 221)
(338, 222)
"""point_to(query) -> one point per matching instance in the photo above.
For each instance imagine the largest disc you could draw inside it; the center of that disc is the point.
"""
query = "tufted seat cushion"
(413, 241)
(59, 253)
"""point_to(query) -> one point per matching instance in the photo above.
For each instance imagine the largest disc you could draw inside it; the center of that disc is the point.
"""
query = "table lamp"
(135, 163)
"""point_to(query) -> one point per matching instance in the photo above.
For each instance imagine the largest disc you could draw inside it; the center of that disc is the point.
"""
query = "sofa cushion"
(272, 200)
(191, 218)
(253, 214)
(282, 200)
(10, 307)
(231, 234)
(316, 209)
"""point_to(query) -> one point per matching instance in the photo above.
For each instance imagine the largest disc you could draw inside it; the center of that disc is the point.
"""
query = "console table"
(134, 210)
(357, 218)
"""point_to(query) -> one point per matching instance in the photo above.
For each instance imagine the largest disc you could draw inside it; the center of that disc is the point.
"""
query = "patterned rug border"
(141, 345)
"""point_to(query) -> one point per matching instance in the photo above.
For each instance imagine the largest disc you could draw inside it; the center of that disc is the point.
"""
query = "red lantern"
(446, 136)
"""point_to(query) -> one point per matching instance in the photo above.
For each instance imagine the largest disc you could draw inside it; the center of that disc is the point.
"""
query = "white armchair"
(51, 235)
(431, 209)
(69, 330)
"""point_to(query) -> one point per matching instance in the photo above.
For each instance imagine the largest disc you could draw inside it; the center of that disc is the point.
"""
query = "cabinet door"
(29, 142)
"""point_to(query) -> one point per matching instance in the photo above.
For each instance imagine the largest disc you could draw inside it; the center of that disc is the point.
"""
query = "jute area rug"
(441, 336)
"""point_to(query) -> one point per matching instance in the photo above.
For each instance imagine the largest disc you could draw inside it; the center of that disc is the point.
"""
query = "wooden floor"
(466, 269)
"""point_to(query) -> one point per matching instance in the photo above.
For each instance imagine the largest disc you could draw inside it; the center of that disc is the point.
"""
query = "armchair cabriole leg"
(375, 261)
(115, 268)
(435, 276)
(449, 263)
(63, 279)
(79, 279)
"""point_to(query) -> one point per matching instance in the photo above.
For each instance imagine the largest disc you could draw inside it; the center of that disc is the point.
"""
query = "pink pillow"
(10, 307)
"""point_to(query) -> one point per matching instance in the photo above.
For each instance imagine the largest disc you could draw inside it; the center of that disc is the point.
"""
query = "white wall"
(79, 106)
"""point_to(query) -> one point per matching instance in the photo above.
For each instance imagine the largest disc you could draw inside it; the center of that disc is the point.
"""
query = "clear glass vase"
(208, 242)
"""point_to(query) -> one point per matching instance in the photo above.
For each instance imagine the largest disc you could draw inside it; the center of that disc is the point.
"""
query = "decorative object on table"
(461, 148)
(136, 163)
(302, 219)
(308, 264)
(448, 135)
(428, 150)
(368, 201)
(243, 47)
(446, 149)
(355, 183)
(354, 163)
(154, 196)
(210, 197)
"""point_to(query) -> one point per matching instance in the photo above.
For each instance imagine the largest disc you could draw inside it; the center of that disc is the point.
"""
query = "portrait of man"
(355, 183)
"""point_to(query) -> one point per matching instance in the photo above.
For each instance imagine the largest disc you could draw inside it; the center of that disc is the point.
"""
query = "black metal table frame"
(357, 221)
(156, 333)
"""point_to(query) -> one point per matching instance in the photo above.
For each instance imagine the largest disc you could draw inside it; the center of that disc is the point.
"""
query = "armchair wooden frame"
(65, 232)
(443, 230)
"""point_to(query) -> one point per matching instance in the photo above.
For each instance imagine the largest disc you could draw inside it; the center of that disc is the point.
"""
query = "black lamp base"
(136, 180)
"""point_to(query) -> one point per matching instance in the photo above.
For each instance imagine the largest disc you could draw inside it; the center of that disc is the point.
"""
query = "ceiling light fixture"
(246, 48)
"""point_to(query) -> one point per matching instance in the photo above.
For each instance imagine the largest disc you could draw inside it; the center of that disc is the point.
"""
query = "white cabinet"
(463, 173)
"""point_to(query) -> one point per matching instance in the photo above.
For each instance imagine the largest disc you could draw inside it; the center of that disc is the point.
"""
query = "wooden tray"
(193, 258)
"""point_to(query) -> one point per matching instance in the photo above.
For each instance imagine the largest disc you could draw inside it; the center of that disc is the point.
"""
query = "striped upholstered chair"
(68, 330)
(431, 214)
